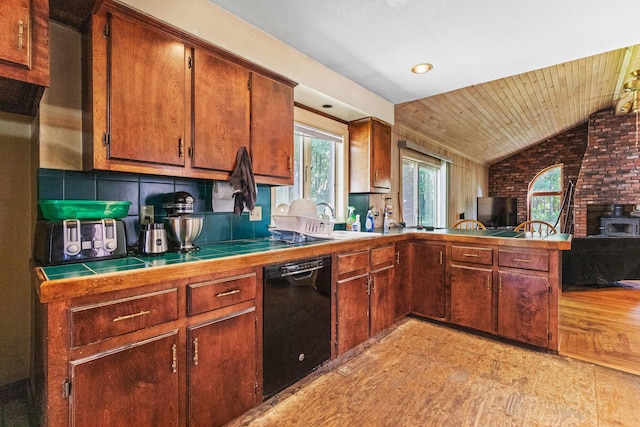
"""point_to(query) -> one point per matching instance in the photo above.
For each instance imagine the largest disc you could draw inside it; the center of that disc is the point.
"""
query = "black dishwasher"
(297, 321)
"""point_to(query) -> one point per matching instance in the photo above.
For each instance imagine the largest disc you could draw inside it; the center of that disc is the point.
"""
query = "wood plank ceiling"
(491, 121)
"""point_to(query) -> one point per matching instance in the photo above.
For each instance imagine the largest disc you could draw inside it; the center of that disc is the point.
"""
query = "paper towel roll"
(222, 197)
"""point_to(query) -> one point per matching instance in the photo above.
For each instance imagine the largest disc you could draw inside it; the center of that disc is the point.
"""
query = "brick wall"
(610, 170)
(511, 176)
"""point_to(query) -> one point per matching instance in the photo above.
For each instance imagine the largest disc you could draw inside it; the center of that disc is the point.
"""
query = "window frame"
(441, 186)
(333, 128)
(531, 193)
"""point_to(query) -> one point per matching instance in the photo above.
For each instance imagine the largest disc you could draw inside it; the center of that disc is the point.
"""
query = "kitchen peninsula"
(183, 333)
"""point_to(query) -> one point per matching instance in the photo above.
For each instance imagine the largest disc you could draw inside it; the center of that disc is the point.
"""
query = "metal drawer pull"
(195, 351)
(227, 293)
(521, 260)
(472, 255)
(131, 316)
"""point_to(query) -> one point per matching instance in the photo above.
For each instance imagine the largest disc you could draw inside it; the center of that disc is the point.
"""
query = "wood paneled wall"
(467, 179)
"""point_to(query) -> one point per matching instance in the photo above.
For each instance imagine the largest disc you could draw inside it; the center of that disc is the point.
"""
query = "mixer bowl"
(183, 231)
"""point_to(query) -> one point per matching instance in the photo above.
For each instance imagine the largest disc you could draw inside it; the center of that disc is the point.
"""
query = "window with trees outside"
(317, 166)
(545, 195)
(423, 192)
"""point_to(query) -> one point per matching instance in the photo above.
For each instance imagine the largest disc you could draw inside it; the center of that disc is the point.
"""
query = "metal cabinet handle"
(488, 282)
(174, 362)
(440, 257)
(500, 284)
(20, 35)
(195, 351)
(180, 147)
(471, 255)
(131, 316)
(397, 257)
(227, 293)
(521, 260)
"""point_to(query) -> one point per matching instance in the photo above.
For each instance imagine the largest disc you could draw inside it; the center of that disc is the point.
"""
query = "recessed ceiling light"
(421, 68)
(327, 106)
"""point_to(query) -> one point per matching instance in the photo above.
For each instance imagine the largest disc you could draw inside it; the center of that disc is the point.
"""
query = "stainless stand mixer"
(183, 229)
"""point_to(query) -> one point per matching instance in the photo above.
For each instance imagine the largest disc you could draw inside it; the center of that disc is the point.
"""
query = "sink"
(349, 235)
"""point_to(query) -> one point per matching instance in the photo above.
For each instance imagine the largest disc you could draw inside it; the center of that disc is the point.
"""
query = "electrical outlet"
(146, 214)
(256, 214)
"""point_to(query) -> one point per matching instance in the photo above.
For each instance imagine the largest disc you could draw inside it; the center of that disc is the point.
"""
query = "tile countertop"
(58, 283)
(251, 246)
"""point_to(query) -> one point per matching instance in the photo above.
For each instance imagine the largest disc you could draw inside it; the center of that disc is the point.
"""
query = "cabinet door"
(471, 297)
(272, 129)
(382, 299)
(403, 279)
(136, 385)
(428, 291)
(24, 54)
(523, 308)
(147, 98)
(222, 369)
(381, 157)
(15, 32)
(353, 312)
(221, 111)
(370, 156)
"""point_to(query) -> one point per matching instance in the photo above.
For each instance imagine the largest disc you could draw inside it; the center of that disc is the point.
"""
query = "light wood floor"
(425, 374)
(603, 327)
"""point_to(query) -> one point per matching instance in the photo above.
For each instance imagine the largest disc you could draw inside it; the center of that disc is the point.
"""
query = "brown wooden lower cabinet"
(222, 369)
(403, 279)
(135, 385)
(365, 295)
(138, 357)
(523, 308)
(472, 297)
(428, 272)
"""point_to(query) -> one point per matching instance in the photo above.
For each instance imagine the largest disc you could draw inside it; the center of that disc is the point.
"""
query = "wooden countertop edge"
(52, 290)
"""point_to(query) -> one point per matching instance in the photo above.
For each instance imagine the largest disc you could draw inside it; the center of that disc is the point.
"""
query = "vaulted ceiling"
(506, 74)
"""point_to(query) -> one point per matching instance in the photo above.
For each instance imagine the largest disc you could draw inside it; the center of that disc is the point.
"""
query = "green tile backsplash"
(148, 190)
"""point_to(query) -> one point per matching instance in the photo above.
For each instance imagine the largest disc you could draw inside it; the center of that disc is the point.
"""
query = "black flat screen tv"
(496, 212)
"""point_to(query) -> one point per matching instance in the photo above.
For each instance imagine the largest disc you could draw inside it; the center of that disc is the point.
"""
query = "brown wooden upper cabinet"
(222, 114)
(24, 54)
(369, 156)
(272, 129)
(160, 101)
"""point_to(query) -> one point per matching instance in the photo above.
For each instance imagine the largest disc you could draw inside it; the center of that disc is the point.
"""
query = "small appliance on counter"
(183, 229)
(80, 230)
(152, 239)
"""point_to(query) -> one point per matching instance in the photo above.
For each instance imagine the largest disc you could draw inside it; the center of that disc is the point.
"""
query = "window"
(423, 192)
(545, 195)
(318, 167)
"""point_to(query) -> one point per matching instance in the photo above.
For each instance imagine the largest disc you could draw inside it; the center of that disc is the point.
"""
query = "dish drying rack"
(297, 228)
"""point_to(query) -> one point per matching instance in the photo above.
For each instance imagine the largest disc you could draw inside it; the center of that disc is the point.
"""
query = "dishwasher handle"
(295, 275)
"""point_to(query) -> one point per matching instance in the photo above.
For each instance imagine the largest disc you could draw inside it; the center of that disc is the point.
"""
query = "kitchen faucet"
(333, 211)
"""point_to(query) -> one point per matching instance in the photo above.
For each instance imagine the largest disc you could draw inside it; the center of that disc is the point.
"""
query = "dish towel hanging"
(243, 183)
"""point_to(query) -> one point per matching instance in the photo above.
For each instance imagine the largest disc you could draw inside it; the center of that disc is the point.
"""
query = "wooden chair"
(469, 224)
(538, 227)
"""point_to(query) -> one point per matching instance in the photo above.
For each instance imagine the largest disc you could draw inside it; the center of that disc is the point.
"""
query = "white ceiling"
(469, 42)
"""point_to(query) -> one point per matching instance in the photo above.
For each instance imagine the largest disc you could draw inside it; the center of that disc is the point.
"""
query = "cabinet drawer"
(472, 254)
(383, 257)
(353, 264)
(92, 323)
(214, 294)
(523, 259)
